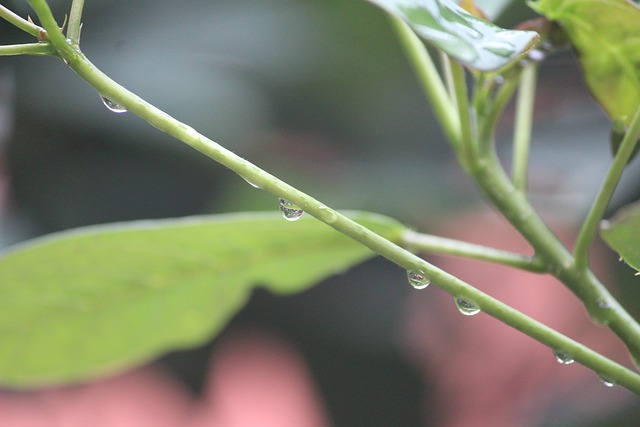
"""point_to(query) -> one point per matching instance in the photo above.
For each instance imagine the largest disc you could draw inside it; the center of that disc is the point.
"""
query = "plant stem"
(467, 140)
(489, 121)
(601, 305)
(107, 87)
(443, 245)
(445, 64)
(27, 49)
(75, 22)
(18, 21)
(522, 135)
(429, 79)
(590, 226)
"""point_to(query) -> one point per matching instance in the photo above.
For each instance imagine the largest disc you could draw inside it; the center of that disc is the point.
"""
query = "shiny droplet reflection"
(251, 183)
(606, 381)
(466, 307)
(418, 279)
(562, 357)
(290, 212)
(113, 106)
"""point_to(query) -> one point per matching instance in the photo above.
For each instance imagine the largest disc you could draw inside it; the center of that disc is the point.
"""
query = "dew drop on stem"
(251, 183)
(417, 279)
(606, 381)
(290, 212)
(466, 307)
(562, 357)
(112, 106)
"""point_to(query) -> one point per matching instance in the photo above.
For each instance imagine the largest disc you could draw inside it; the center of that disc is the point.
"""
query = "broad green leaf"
(622, 233)
(91, 301)
(606, 34)
(475, 42)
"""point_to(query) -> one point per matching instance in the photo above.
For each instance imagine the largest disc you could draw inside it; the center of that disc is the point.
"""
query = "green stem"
(467, 140)
(445, 64)
(489, 121)
(590, 226)
(601, 305)
(443, 245)
(75, 22)
(27, 49)
(429, 79)
(20, 22)
(104, 85)
(522, 135)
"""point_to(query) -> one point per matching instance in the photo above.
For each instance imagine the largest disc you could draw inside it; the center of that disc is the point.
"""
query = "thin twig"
(590, 225)
(27, 49)
(75, 22)
(443, 245)
(522, 134)
(20, 22)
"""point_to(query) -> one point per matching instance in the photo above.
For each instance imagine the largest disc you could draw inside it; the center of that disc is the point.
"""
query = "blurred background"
(318, 93)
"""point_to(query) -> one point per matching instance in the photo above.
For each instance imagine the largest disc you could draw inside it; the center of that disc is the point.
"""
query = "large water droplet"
(606, 381)
(466, 307)
(418, 279)
(290, 212)
(113, 106)
(562, 357)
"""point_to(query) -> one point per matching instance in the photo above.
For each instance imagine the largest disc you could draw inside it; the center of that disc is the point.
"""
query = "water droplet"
(466, 307)
(290, 212)
(603, 304)
(562, 357)
(418, 279)
(606, 381)
(251, 183)
(113, 106)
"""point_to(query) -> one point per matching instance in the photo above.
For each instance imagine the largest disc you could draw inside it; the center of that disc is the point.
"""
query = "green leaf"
(606, 34)
(622, 233)
(475, 42)
(91, 301)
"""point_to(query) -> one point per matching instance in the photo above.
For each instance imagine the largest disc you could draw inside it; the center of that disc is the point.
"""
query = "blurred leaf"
(474, 42)
(493, 8)
(606, 34)
(622, 233)
(90, 301)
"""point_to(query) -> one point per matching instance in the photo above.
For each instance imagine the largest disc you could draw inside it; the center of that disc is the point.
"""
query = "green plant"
(60, 292)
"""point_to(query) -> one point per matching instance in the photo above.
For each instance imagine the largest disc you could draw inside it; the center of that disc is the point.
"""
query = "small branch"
(445, 62)
(442, 245)
(54, 35)
(590, 226)
(20, 22)
(27, 49)
(603, 308)
(430, 80)
(522, 135)
(490, 121)
(467, 140)
(75, 22)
